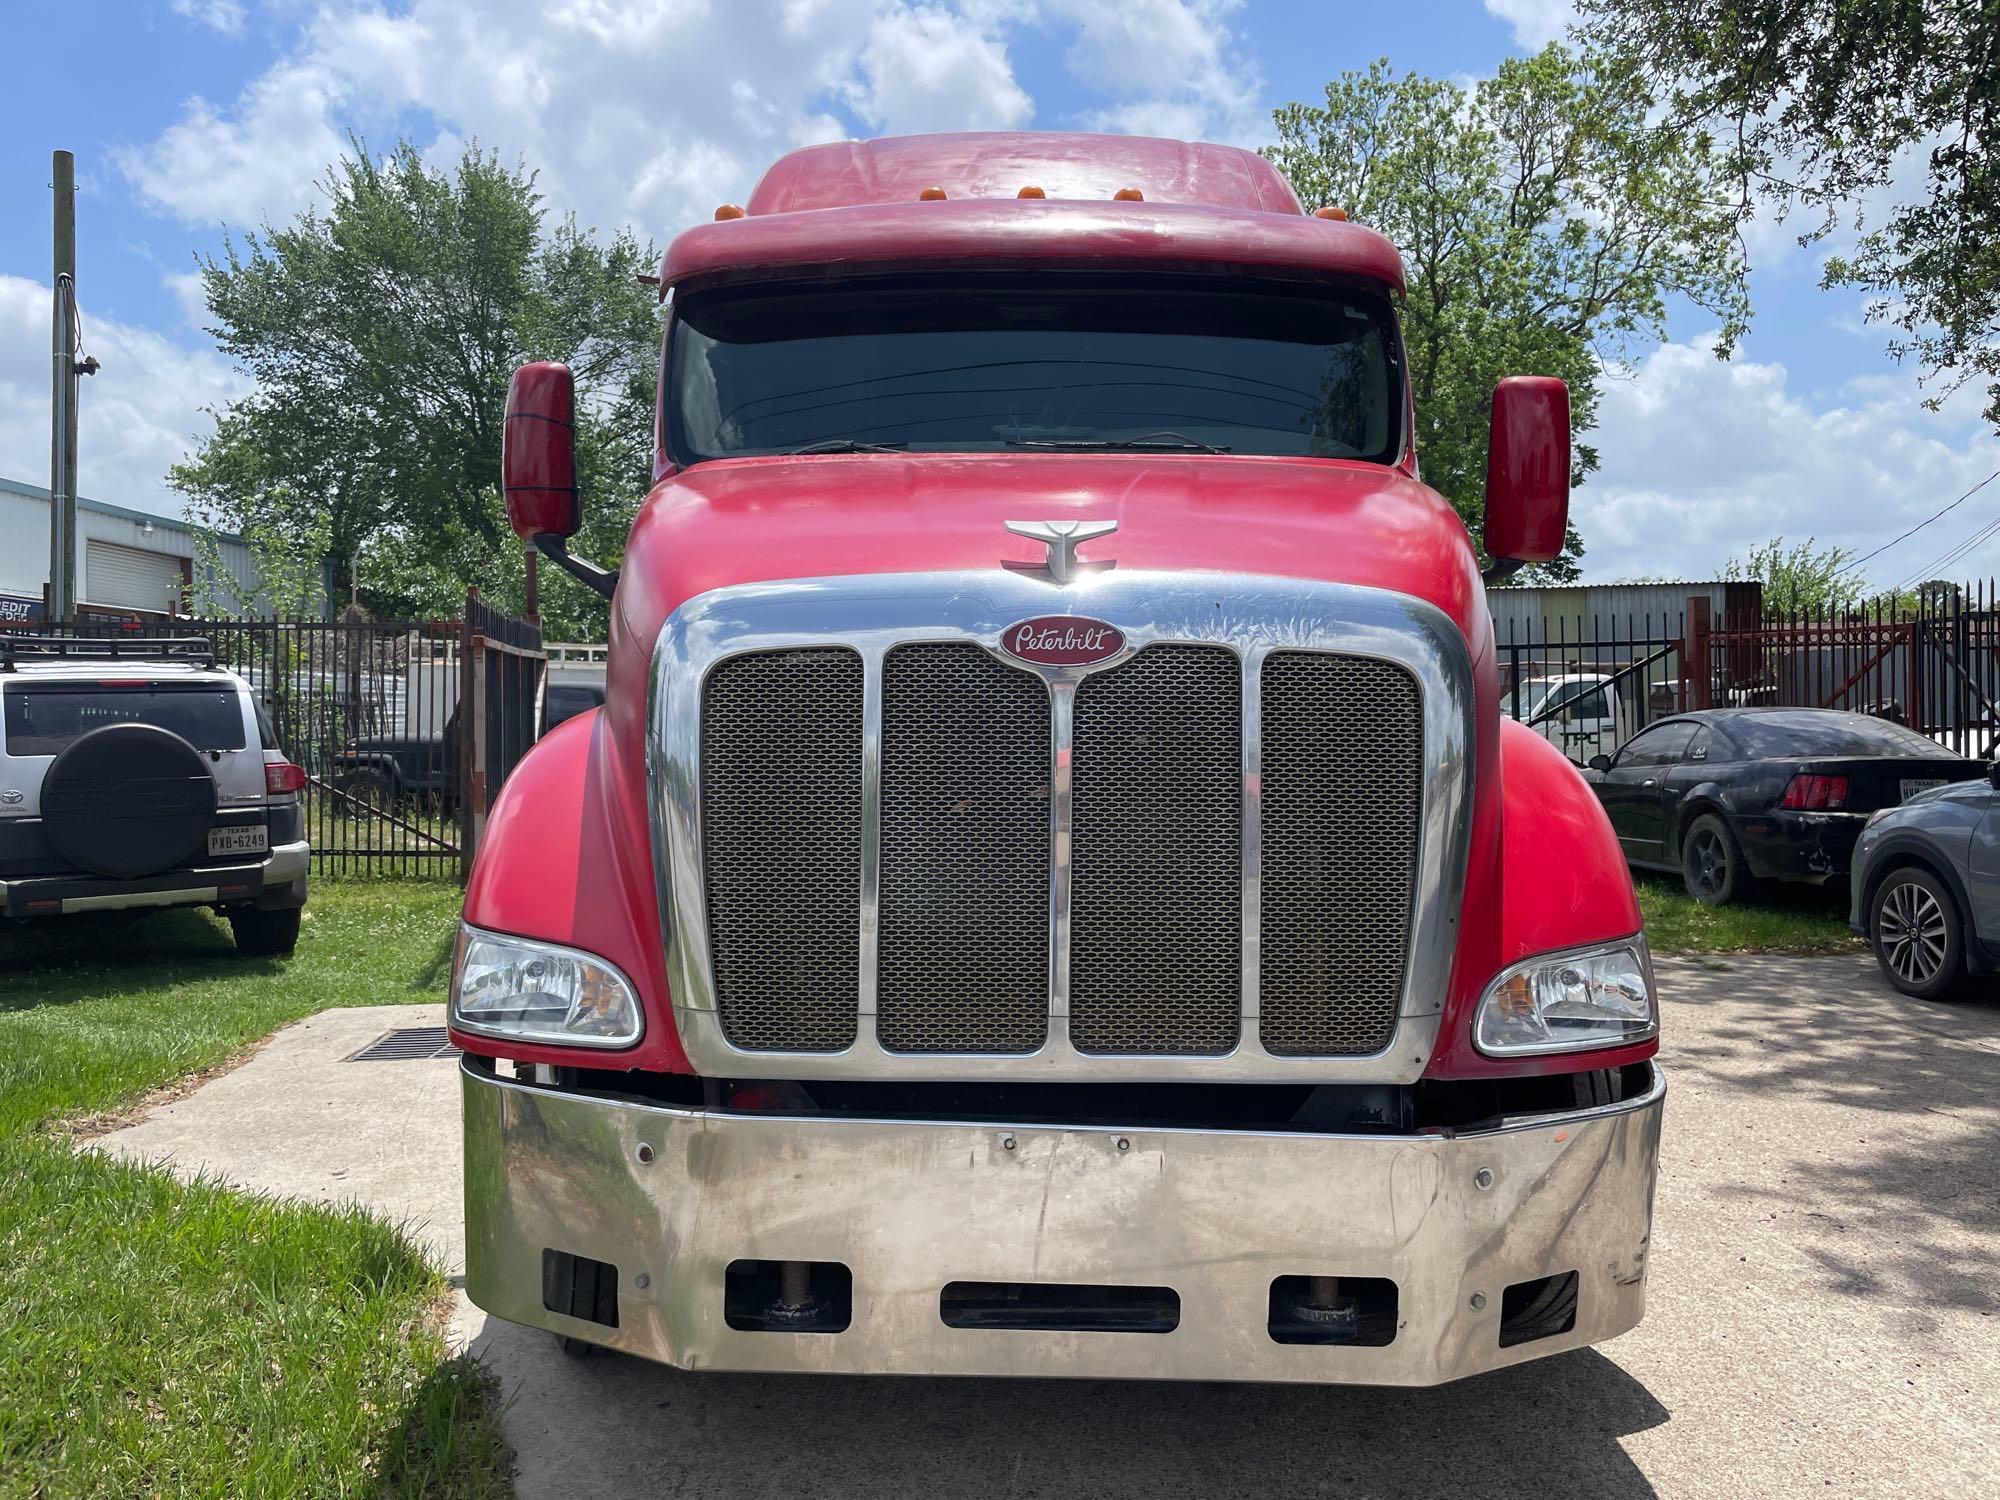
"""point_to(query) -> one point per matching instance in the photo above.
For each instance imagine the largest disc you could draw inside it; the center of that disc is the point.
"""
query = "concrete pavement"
(1824, 1310)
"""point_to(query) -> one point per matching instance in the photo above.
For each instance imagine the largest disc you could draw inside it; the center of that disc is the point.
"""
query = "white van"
(1578, 712)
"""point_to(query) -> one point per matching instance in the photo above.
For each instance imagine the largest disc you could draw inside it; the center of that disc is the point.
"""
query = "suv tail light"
(1816, 793)
(283, 776)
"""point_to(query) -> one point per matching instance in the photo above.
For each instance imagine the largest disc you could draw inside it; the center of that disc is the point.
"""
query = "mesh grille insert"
(1342, 784)
(781, 843)
(963, 962)
(1156, 920)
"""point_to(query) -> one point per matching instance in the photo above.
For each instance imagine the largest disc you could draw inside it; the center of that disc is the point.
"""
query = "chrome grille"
(1156, 921)
(963, 963)
(1342, 803)
(1346, 850)
(781, 837)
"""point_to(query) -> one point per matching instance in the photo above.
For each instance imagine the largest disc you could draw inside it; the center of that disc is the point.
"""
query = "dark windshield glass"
(997, 363)
(41, 720)
(1781, 733)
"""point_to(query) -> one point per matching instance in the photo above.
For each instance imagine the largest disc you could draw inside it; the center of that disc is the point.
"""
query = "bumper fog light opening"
(1538, 1309)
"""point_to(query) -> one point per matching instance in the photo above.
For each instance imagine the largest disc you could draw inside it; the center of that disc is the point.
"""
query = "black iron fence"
(1929, 661)
(403, 747)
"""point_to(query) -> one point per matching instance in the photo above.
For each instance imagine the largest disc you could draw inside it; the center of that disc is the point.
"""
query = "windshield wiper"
(847, 445)
(1152, 442)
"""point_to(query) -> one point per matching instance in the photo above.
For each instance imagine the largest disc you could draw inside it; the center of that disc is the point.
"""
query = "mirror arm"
(1501, 568)
(598, 580)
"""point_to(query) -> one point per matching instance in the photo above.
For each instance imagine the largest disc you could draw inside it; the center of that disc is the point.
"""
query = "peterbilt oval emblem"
(1062, 641)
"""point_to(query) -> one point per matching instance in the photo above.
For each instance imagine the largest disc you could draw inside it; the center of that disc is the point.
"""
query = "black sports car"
(1731, 796)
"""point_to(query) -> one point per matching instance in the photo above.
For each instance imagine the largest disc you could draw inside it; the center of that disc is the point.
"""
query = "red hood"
(752, 520)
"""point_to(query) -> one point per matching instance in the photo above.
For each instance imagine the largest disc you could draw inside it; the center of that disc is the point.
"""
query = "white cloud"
(649, 112)
(1704, 459)
(1536, 23)
(925, 69)
(257, 160)
(1169, 64)
(225, 16)
(139, 414)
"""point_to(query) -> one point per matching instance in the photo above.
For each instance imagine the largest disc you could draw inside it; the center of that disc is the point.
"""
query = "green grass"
(1781, 919)
(175, 1338)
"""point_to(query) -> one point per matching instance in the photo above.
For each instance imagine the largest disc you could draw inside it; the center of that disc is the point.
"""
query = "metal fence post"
(1699, 664)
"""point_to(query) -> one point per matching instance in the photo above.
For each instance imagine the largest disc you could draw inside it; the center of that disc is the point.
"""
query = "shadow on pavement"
(1925, 1081)
(1550, 1428)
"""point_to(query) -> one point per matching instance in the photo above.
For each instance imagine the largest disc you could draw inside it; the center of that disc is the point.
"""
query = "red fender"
(567, 858)
(1562, 882)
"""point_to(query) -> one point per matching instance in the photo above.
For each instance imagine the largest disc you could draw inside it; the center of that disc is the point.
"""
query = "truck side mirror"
(1527, 471)
(538, 469)
(538, 453)
(1993, 775)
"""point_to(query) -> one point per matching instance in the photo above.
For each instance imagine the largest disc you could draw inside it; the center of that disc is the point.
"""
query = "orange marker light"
(1031, 192)
(930, 195)
(1128, 195)
(728, 211)
(1339, 215)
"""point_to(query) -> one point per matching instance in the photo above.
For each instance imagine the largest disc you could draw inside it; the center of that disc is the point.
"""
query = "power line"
(1857, 562)
(1936, 566)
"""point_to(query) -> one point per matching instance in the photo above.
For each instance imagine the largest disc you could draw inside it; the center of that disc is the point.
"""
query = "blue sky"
(194, 114)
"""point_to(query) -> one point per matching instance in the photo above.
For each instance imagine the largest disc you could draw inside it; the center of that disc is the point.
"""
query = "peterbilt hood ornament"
(1062, 538)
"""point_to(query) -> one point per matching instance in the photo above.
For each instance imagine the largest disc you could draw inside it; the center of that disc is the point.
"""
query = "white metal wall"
(24, 542)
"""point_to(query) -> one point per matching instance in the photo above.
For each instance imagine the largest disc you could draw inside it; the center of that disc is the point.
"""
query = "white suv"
(137, 773)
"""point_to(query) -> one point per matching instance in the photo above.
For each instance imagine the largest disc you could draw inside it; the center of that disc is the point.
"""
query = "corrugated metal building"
(1621, 611)
(127, 560)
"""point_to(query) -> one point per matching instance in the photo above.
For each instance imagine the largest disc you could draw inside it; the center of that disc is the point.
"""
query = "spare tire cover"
(129, 800)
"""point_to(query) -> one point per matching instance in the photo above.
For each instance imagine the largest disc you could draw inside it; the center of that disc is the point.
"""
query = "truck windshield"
(1049, 360)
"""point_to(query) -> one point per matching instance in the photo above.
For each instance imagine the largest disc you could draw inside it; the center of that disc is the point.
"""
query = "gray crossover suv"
(138, 773)
(1927, 888)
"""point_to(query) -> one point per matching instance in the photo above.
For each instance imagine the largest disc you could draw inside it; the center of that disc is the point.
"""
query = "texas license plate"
(246, 839)
(1911, 788)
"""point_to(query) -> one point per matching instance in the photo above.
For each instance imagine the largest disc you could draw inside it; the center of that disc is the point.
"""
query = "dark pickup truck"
(380, 770)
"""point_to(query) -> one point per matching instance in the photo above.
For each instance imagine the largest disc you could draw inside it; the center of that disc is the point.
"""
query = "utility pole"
(62, 407)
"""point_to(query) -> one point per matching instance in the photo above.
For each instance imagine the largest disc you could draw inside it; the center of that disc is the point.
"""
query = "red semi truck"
(1051, 890)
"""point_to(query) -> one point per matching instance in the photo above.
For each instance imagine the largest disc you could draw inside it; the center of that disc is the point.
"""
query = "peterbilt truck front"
(1051, 890)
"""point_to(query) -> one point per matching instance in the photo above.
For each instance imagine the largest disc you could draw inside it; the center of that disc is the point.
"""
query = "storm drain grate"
(410, 1043)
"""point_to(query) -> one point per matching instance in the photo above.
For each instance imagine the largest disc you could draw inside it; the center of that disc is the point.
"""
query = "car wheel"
(1712, 864)
(368, 789)
(1917, 934)
(266, 933)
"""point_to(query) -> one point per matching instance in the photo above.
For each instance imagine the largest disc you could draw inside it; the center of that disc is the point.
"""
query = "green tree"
(380, 332)
(1802, 579)
(1544, 225)
(1821, 102)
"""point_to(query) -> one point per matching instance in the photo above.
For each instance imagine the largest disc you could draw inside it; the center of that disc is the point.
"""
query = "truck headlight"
(1567, 1002)
(524, 991)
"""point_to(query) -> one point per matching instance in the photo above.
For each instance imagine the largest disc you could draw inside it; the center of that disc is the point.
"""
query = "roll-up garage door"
(127, 578)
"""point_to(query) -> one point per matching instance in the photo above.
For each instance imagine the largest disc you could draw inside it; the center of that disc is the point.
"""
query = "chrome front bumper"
(671, 1196)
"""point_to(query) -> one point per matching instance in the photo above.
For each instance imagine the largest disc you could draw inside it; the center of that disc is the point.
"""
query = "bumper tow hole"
(1358, 1311)
(787, 1296)
(1044, 1307)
